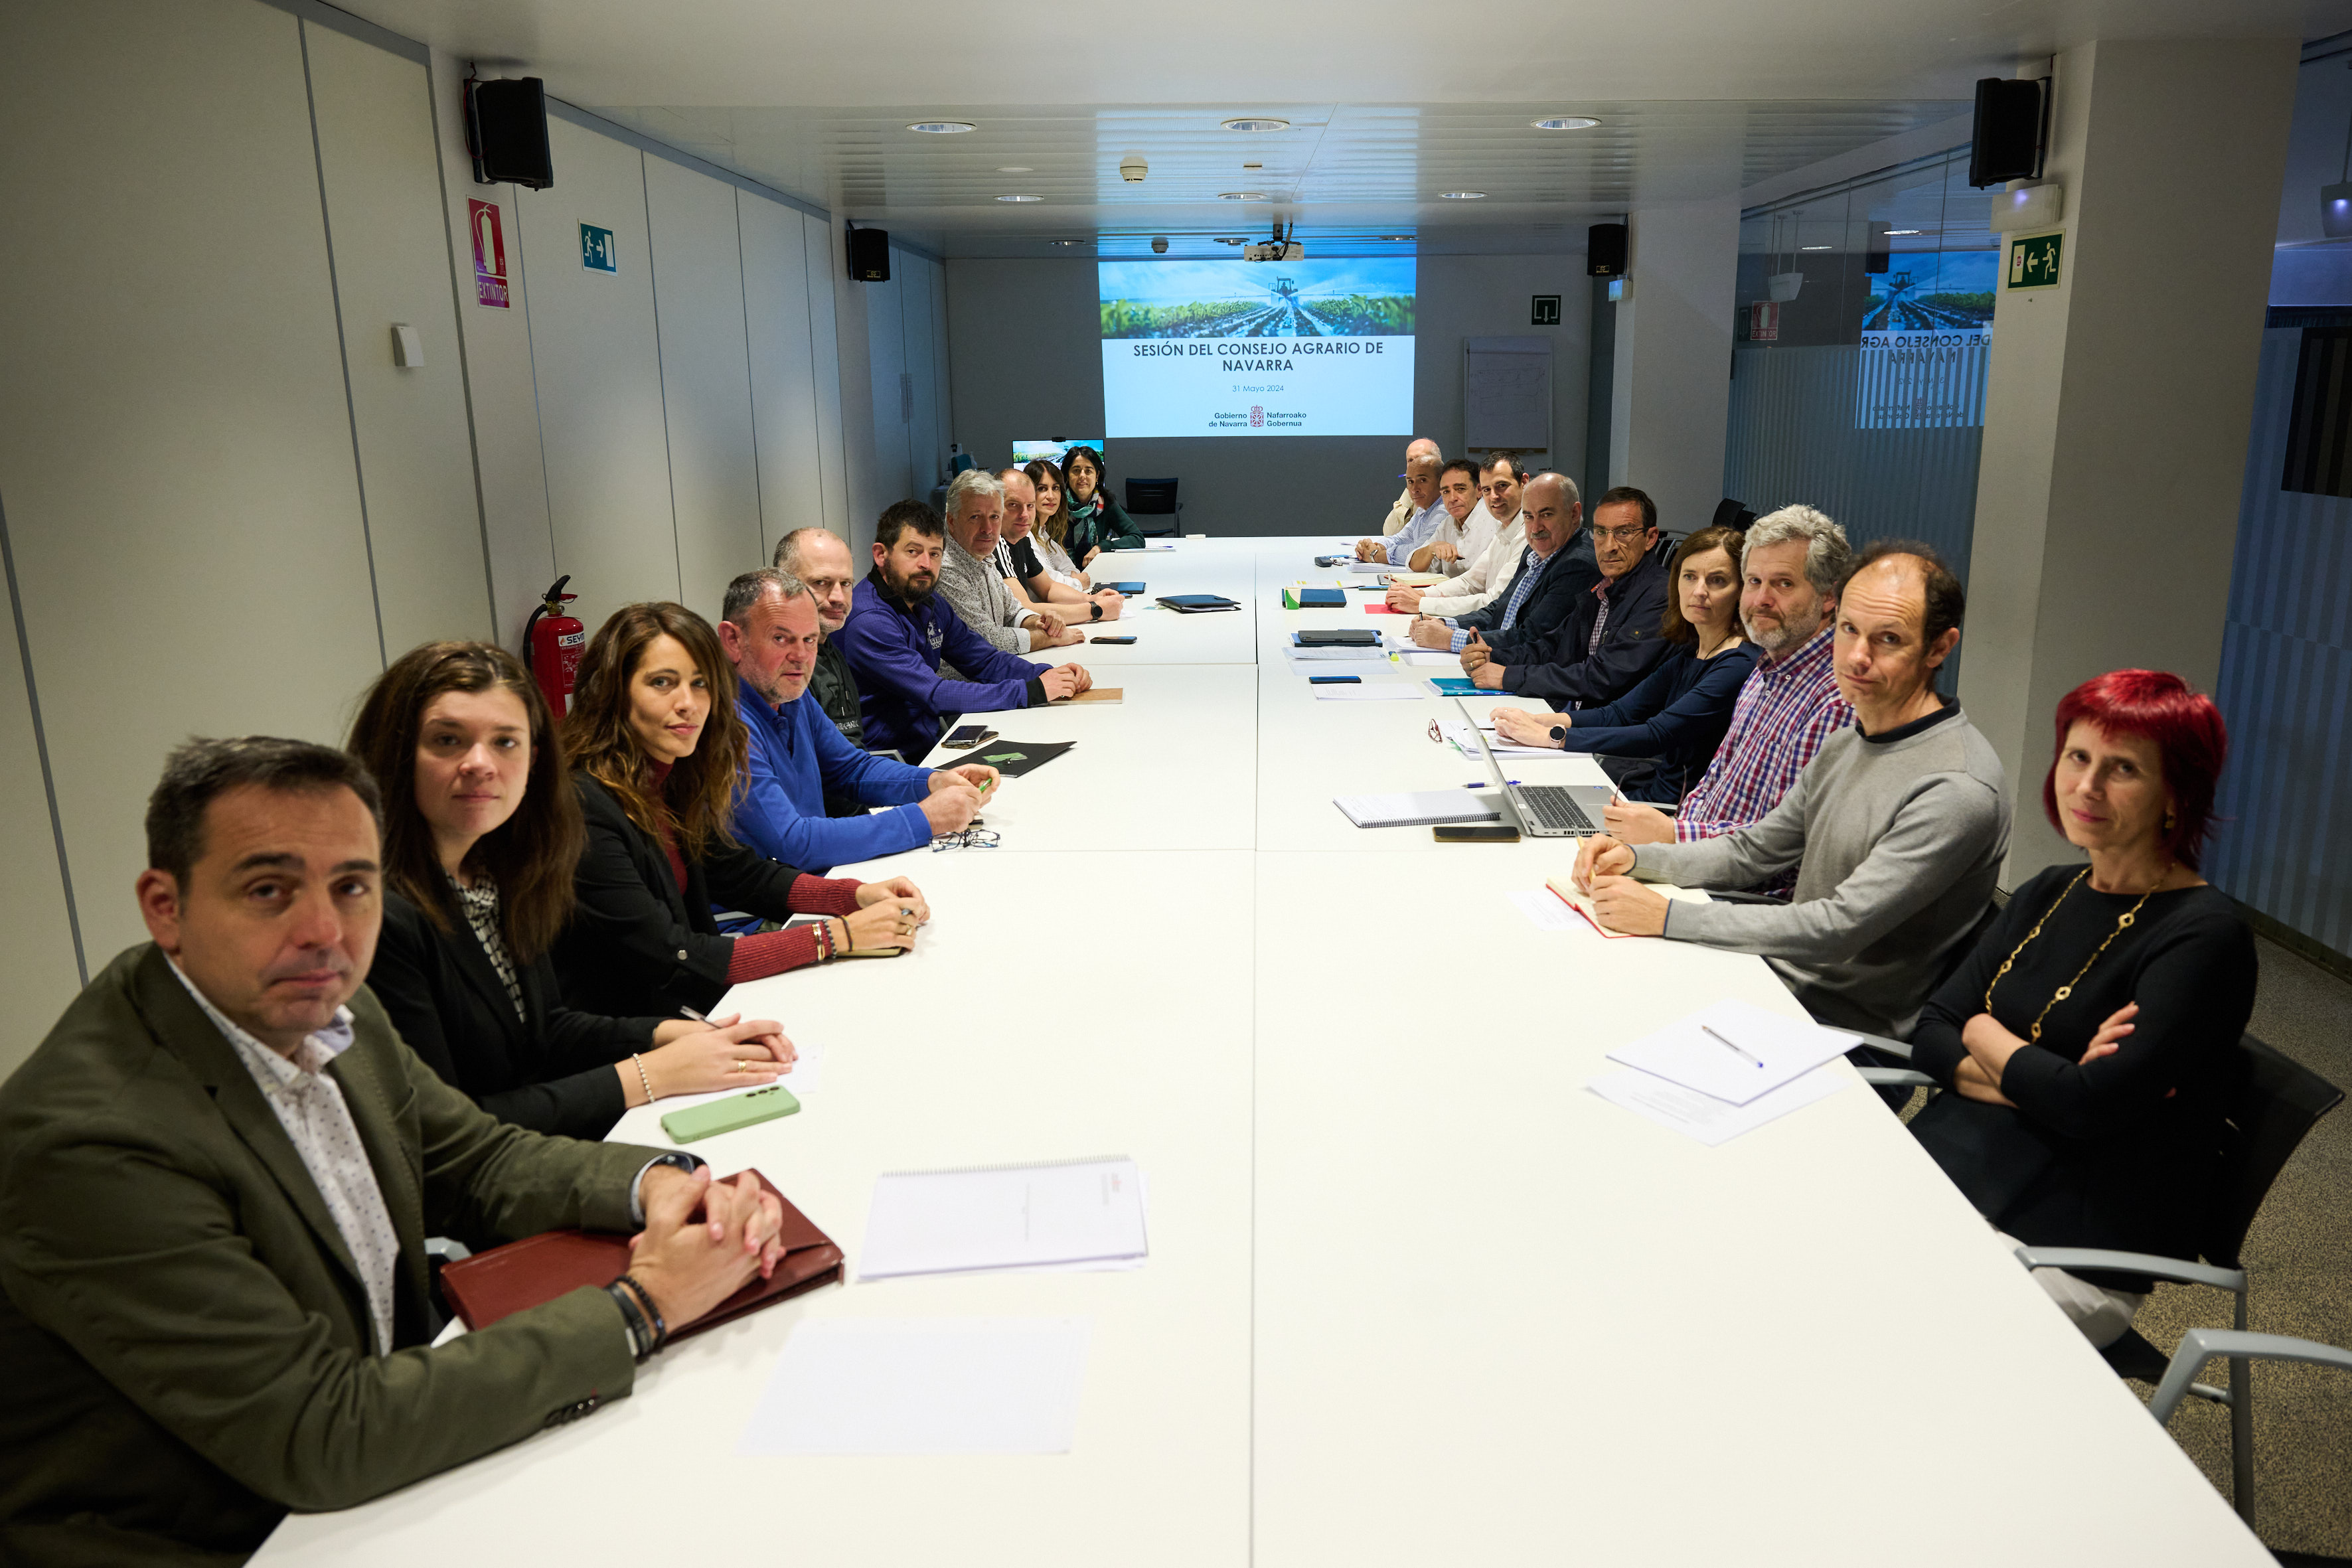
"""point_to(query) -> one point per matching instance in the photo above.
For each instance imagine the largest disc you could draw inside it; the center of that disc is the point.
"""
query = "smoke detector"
(1159, 245)
(1132, 168)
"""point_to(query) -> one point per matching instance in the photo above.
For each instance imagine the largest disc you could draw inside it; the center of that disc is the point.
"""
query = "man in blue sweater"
(900, 629)
(770, 630)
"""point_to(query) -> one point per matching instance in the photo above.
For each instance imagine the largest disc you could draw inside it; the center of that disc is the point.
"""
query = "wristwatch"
(1096, 608)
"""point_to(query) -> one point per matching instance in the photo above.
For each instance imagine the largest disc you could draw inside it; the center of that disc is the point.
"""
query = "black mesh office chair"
(1154, 497)
(2279, 1101)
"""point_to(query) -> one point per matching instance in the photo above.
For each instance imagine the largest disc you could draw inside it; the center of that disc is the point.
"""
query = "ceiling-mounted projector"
(1281, 248)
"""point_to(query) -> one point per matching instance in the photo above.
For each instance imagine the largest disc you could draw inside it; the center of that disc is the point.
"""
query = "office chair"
(2279, 1101)
(1731, 514)
(1155, 497)
(2199, 1346)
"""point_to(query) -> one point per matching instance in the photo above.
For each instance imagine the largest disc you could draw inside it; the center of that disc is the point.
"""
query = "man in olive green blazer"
(187, 1347)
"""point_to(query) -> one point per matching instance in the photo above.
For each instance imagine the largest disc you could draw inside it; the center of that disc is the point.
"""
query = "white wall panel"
(175, 451)
(599, 376)
(502, 390)
(373, 111)
(824, 259)
(706, 379)
(942, 401)
(886, 357)
(36, 931)
(926, 449)
(783, 367)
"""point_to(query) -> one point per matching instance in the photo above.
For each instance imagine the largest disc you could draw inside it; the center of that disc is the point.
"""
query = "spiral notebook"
(1073, 1214)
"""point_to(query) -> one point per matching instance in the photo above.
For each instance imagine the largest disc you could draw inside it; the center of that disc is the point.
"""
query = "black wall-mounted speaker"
(869, 255)
(2012, 123)
(1604, 250)
(505, 131)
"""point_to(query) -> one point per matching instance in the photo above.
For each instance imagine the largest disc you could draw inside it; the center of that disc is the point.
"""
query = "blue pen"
(1481, 783)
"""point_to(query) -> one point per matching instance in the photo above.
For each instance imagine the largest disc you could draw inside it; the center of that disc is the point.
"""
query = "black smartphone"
(1121, 642)
(969, 735)
(1333, 679)
(1476, 833)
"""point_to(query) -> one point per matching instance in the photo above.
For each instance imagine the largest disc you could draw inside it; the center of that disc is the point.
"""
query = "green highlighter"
(730, 1114)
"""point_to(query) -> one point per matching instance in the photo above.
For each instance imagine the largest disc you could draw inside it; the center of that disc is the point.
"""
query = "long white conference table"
(1413, 1295)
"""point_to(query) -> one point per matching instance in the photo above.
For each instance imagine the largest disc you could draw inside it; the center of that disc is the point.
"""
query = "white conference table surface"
(1415, 1295)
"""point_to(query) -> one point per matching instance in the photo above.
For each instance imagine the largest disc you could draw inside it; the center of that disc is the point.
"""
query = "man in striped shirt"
(1789, 705)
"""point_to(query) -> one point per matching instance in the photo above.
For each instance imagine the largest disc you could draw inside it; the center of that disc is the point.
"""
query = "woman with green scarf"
(1097, 523)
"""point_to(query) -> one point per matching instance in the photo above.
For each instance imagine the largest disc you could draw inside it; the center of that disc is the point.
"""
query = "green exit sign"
(2033, 263)
(596, 251)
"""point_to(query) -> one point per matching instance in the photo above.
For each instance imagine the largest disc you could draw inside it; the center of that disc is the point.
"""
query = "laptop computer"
(1543, 811)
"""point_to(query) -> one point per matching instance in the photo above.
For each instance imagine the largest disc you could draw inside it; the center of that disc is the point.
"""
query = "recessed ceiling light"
(1015, 169)
(942, 127)
(1236, 241)
(1461, 195)
(1253, 166)
(1243, 197)
(1813, 248)
(1253, 122)
(1069, 242)
(1566, 123)
(1401, 237)
(1020, 198)
(1906, 231)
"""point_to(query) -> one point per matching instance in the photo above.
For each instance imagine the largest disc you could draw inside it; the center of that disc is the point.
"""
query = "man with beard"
(899, 631)
(1787, 707)
(1487, 576)
(768, 630)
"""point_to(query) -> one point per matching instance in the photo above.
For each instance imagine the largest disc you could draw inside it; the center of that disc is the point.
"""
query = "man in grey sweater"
(1898, 823)
(970, 584)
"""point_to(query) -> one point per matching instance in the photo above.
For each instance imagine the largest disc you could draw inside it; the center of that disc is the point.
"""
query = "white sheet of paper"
(923, 1385)
(949, 1222)
(1704, 1117)
(1338, 655)
(1430, 656)
(1684, 1053)
(1386, 691)
(1544, 908)
(1455, 731)
(1370, 567)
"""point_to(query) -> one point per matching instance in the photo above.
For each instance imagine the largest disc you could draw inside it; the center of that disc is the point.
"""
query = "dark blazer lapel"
(182, 1027)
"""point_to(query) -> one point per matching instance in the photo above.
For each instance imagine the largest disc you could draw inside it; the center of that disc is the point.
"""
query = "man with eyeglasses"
(1611, 639)
(820, 559)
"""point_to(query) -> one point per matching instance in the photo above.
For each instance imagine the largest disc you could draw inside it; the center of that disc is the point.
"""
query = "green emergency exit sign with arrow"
(2033, 263)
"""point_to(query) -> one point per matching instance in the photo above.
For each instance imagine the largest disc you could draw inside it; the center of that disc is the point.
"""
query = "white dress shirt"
(309, 1105)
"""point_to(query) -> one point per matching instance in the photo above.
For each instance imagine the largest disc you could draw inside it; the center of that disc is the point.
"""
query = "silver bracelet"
(642, 1079)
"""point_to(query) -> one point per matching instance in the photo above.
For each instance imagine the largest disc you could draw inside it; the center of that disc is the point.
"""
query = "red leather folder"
(506, 1280)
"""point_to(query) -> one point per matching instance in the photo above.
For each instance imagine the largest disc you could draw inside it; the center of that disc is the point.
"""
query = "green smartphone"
(730, 1114)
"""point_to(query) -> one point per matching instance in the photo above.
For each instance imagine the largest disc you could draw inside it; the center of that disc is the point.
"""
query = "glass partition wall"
(1858, 362)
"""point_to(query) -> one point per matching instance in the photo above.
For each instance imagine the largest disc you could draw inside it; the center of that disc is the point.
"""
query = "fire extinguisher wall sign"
(553, 642)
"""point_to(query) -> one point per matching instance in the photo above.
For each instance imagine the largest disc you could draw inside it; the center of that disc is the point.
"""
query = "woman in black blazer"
(481, 836)
(658, 754)
(2089, 1045)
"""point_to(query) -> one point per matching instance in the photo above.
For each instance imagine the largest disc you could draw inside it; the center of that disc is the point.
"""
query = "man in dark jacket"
(899, 631)
(216, 1176)
(1611, 636)
(1557, 567)
(818, 557)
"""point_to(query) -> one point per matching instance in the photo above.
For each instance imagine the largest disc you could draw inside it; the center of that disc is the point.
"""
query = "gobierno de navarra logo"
(1258, 417)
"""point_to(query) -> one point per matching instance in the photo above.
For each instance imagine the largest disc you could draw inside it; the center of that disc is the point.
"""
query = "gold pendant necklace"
(2123, 924)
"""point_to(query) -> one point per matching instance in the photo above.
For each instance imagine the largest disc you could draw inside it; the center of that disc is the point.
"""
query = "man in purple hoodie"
(900, 629)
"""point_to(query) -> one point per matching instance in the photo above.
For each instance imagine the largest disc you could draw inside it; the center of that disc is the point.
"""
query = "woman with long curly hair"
(657, 754)
(481, 836)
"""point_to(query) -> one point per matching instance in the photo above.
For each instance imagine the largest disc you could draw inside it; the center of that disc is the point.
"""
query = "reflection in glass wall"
(1858, 367)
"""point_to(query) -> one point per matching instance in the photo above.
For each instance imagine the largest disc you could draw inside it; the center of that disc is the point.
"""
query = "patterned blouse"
(480, 903)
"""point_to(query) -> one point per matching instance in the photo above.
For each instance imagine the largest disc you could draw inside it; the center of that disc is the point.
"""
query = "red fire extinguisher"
(551, 645)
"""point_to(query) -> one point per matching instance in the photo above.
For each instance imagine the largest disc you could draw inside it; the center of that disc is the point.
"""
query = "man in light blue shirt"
(770, 630)
(1421, 475)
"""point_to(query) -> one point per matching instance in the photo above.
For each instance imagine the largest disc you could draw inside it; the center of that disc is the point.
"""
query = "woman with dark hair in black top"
(2089, 1045)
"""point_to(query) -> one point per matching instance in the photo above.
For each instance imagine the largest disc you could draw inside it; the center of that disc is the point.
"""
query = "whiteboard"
(1506, 394)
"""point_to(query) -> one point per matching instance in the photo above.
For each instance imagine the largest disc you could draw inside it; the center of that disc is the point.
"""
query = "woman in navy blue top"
(1680, 711)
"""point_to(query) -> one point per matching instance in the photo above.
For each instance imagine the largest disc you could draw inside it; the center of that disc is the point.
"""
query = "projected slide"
(1257, 348)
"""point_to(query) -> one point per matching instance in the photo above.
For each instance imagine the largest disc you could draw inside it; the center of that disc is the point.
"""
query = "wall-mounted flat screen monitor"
(1027, 452)
(1257, 348)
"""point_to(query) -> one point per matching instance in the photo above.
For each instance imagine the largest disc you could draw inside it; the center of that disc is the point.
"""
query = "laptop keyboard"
(1553, 807)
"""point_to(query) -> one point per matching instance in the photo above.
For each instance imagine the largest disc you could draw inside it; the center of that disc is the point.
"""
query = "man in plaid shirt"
(1789, 705)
